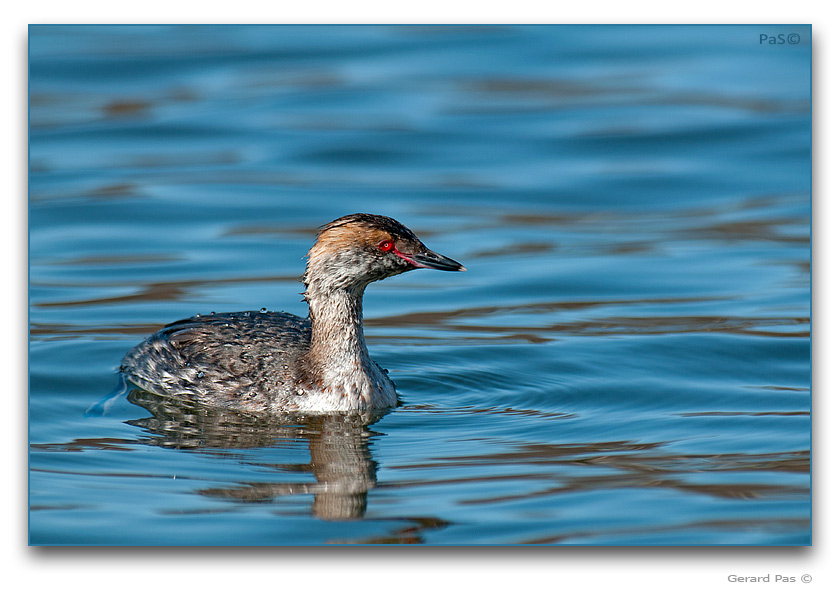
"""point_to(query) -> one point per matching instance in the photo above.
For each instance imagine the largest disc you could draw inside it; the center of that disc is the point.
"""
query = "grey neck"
(337, 363)
(338, 338)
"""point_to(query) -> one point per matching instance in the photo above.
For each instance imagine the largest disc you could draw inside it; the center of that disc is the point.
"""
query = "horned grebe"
(261, 361)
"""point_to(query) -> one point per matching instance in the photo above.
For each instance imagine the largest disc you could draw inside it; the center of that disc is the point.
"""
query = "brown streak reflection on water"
(690, 414)
(516, 250)
(114, 259)
(740, 524)
(522, 94)
(83, 444)
(629, 468)
(755, 230)
(625, 232)
(657, 325)
(156, 291)
(528, 413)
(69, 331)
(410, 534)
(625, 453)
(613, 325)
(440, 317)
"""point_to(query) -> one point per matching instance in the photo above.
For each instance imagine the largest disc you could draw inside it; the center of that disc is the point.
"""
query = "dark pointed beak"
(429, 259)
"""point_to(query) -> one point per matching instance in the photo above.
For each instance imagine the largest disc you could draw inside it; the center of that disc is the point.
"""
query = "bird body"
(276, 362)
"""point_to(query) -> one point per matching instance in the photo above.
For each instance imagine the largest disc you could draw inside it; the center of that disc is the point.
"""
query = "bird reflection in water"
(341, 461)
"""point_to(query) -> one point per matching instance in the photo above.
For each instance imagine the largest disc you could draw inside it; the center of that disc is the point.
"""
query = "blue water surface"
(626, 361)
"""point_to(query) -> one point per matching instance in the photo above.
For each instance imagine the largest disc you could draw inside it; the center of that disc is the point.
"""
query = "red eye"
(386, 245)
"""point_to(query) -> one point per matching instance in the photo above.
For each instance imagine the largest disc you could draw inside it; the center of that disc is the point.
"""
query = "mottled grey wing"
(223, 355)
